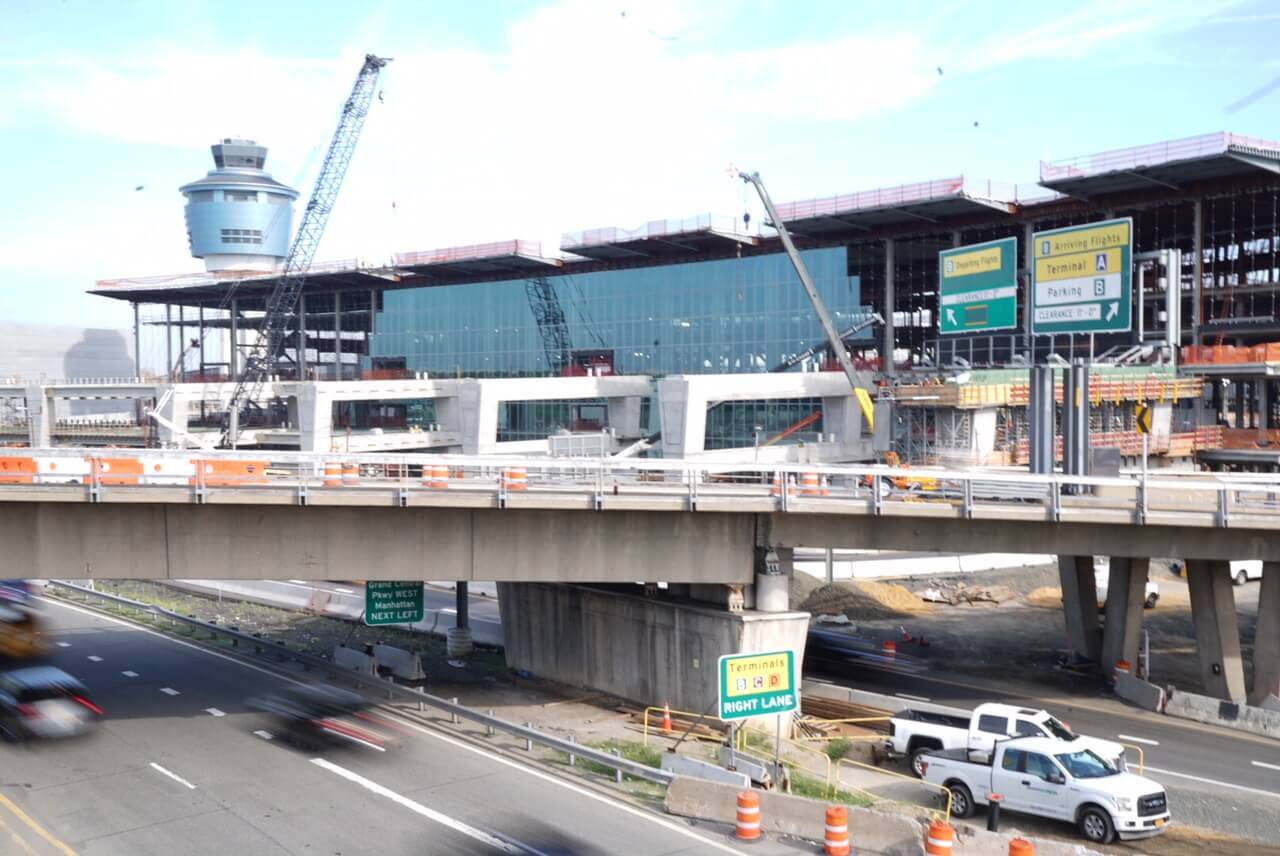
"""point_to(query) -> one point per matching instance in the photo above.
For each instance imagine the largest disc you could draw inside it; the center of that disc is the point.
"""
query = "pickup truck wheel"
(1095, 825)
(917, 760)
(1151, 600)
(961, 800)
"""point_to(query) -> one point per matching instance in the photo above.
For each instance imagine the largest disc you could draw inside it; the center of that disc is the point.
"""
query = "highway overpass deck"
(226, 515)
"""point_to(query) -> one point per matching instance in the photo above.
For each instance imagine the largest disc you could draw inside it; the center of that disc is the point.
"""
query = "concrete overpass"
(708, 527)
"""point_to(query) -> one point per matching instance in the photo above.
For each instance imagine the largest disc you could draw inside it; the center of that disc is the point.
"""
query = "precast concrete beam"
(1122, 621)
(1213, 611)
(1080, 605)
(1266, 637)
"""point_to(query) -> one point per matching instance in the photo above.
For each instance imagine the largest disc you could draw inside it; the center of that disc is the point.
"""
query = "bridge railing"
(789, 488)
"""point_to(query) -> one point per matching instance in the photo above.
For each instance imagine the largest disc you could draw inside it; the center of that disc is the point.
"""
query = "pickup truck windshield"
(1058, 729)
(1086, 765)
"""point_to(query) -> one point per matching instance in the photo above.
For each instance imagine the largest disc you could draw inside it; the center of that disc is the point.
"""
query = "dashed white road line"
(341, 590)
(1265, 766)
(1142, 740)
(95, 658)
(418, 808)
(169, 691)
(213, 711)
(265, 735)
(911, 697)
(129, 674)
(172, 775)
(1215, 782)
(63, 644)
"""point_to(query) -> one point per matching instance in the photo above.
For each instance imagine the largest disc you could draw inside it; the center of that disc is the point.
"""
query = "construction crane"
(549, 315)
(283, 299)
(834, 340)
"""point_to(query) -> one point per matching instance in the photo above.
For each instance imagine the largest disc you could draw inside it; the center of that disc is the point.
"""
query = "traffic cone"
(666, 719)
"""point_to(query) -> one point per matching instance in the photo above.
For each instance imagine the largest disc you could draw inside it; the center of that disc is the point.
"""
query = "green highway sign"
(758, 684)
(1082, 279)
(392, 602)
(978, 287)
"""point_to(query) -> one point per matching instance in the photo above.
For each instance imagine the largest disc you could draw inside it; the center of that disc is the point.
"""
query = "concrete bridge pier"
(1266, 637)
(1080, 605)
(1122, 619)
(648, 650)
(1213, 611)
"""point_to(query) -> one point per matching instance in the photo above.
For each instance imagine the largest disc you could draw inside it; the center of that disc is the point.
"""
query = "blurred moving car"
(20, 625)
(835, 651)
(316, 715)
(44, 701)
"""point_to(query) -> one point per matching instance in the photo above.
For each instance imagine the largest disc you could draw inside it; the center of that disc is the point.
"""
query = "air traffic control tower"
(238, 216)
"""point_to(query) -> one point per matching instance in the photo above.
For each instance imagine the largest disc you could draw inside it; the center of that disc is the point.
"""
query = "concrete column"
(1080, 605)
(890, 332)
(624, 415)
(315, 420)
(1197, 247)
(1213, 611)
(1266, 637)
(683, 411)
(1122, 622)
(773, 579)
(478, 414)
(40, 415)
(234, 357)
(337, 335)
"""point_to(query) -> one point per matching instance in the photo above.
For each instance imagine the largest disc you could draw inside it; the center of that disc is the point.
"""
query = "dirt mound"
(1046, 597)
(803, 585)
(866, 600)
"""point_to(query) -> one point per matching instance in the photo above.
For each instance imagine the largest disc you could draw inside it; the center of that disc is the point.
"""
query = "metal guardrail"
(296, 478)
(391, 689)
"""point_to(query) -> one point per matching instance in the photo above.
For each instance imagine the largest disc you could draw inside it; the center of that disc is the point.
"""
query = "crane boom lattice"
(549, 315)
(283, 299)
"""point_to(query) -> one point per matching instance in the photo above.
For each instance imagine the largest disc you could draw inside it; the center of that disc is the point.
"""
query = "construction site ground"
(1014, 624)
(601, 721)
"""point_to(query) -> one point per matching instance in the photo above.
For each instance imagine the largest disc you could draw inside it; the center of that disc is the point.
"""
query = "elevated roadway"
(161, 515)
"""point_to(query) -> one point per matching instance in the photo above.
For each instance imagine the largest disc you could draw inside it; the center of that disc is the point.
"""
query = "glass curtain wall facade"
(723, 316)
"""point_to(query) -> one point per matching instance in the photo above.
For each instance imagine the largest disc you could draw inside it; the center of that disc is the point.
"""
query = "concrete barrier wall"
(1142, 693)
(646, 650)
(1241, 717)
(353, 660)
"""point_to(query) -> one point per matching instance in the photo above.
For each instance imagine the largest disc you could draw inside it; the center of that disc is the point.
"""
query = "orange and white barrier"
(117, 471)
(233, 473)
(332, 474)
(836, 840)
(939, 839)
(62, 470)
(515, 478)
(350, 473)
(1021, 847)
(748, 821)
(17, 470)
(170, 471)
(436, 476)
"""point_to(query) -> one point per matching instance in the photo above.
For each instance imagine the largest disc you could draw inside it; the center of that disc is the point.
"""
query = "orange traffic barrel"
(777, 486)
(809, 485)
(1122, 667)
(837, 836)
(516, 478)
(332, 474)
(350, 473)
(890, 650)
(939, 838)
(1021, 847)
(437, 476)
(748, 827)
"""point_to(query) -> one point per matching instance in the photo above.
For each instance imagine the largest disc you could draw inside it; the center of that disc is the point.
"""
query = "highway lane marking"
(912, 697)
(63, 644)
(95, 658)
(1215, 782)
(13, 836)
(546, 777)
(567, 785)
(172, 775)
(213, 711)
(1267, 766)
(302, 583)
(265, 735)
(35, 827)
(344, 590)
(129, 674)
(169, 691)
(1138, 739)
(418, 808)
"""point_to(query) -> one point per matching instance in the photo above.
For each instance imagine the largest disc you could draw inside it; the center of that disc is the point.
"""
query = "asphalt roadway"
(1218, 778)
(181, 766)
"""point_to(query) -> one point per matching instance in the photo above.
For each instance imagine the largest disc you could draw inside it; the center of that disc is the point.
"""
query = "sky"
(501, 119)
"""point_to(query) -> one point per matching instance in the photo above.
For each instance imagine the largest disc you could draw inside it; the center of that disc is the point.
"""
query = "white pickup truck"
(912, 733)
(1050, 778)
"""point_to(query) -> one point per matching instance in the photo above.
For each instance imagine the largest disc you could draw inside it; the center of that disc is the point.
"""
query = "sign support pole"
(777, 750)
